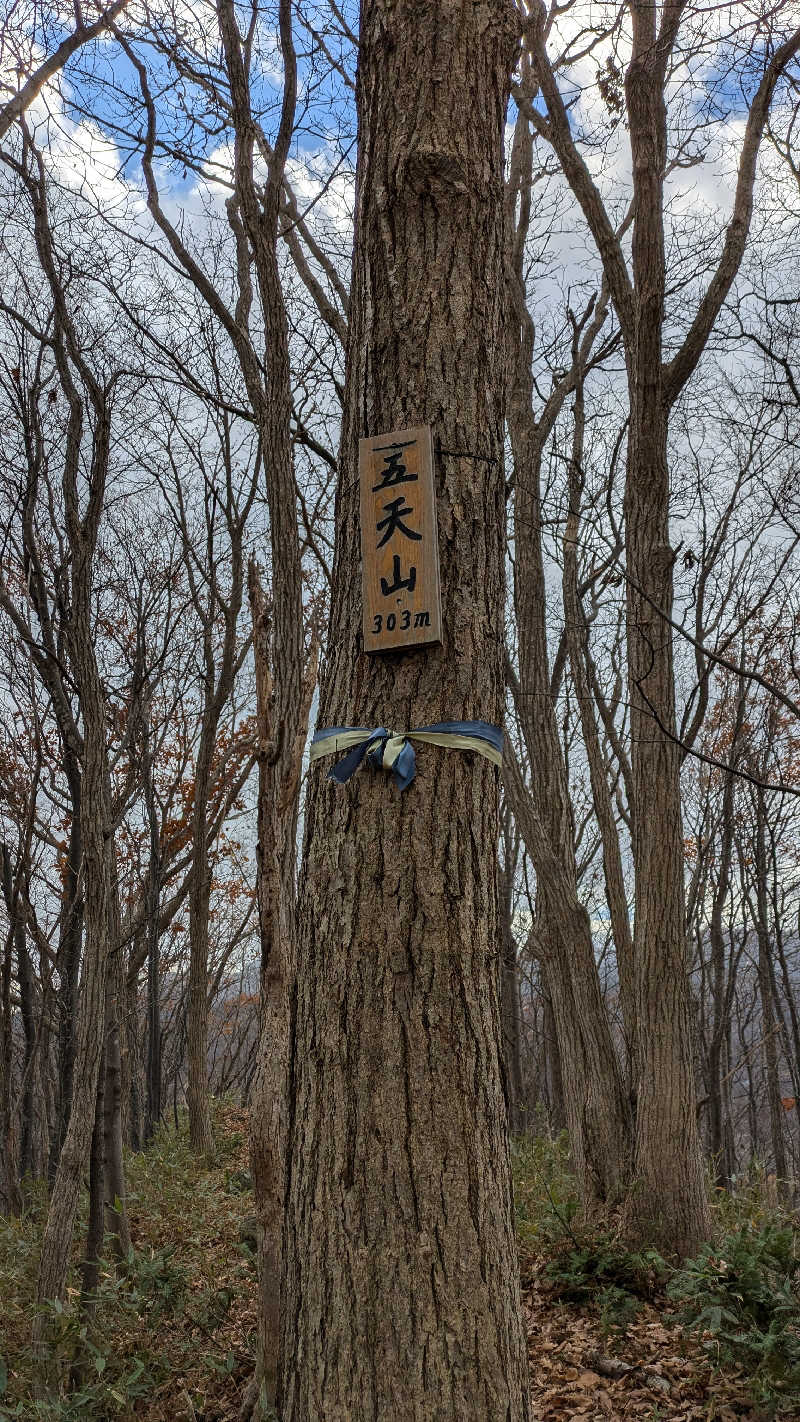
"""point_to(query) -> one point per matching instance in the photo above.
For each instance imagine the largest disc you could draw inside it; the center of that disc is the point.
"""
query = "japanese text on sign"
(399, 544)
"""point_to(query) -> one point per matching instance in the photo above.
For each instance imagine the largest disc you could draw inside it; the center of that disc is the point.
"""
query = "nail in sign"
(399, 542)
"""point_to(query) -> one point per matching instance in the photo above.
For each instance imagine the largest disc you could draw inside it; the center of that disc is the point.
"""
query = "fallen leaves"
(648, 1372)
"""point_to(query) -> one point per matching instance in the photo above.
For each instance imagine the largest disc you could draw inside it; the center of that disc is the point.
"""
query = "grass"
(171, 1335)
(737, 1303)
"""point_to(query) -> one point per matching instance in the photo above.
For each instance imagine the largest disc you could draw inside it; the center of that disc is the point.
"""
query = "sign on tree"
(399, 542)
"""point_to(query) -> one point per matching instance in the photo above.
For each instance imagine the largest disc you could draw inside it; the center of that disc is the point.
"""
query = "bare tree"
(671, 1199)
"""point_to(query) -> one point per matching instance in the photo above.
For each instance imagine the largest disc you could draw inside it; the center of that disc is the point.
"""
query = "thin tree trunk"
(722, 973)
(401, 1284)
(510, 1016)
(89, 1055)
(68, 960)
(132, 1078)
(669, 1204)
(597, 1109)
(95, 1233)
(553, 1075)
(26, 997)
(153, 1089)
(116, 1218)
(769, 1026)
(577, 645)
(200, 1132)
(595, 1103)
(283, 696)
(9, 1141)
(82, 519)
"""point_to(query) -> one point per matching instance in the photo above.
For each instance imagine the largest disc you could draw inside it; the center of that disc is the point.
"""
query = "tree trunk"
(721, 1138)
(283, 699)
(577, 643)
(669, 1204)
(153, 1084)
(595, 1104)
(95, 1231)
(200, 1133)
(97, 842)
(597, 1111)
(278, 787)
(510, 1015)
(27, 998)
(552, 1076)
(68, 961)
(96, 833)
(769, 1026)
(401, 1281)
(10, 1201)
(116, 1218)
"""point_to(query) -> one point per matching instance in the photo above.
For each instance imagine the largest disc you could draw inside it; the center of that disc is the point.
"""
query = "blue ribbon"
(392, 750)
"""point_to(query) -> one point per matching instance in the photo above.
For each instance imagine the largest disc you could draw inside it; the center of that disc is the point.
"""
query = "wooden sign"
(399, 541)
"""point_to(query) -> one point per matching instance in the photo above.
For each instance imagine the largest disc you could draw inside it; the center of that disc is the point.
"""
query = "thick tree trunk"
(401, 1284)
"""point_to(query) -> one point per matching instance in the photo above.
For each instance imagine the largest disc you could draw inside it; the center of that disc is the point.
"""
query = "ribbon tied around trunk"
(393, 751)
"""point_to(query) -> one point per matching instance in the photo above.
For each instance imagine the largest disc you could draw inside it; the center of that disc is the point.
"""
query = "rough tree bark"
(10, 1200)
(723, 978)
(670, 1203)
(116, 1218)
(766, 991)
(577, 638)
(89, 421)
(276, 892)
(510, 1009)
(597, 1111)
(152, 1114)
(401, 1283)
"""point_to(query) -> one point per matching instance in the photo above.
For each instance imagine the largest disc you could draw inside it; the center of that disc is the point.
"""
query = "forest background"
(177, 374)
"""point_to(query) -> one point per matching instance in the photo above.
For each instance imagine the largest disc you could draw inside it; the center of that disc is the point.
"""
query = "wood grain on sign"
(399, 541)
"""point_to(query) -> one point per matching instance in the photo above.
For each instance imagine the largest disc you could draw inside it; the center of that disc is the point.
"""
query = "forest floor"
(171, 1338)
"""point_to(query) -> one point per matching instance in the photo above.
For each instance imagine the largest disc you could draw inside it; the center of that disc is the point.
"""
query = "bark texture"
(670, 1204)
(283, 696)
(401, 1284)
(597, 1111)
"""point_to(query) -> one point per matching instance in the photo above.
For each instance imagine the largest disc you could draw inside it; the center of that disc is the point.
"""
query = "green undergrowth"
(170, 1335)
(166, 1336)
(739, 1299)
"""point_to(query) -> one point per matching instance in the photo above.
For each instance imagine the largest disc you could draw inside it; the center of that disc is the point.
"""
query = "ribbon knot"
(393, 751)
